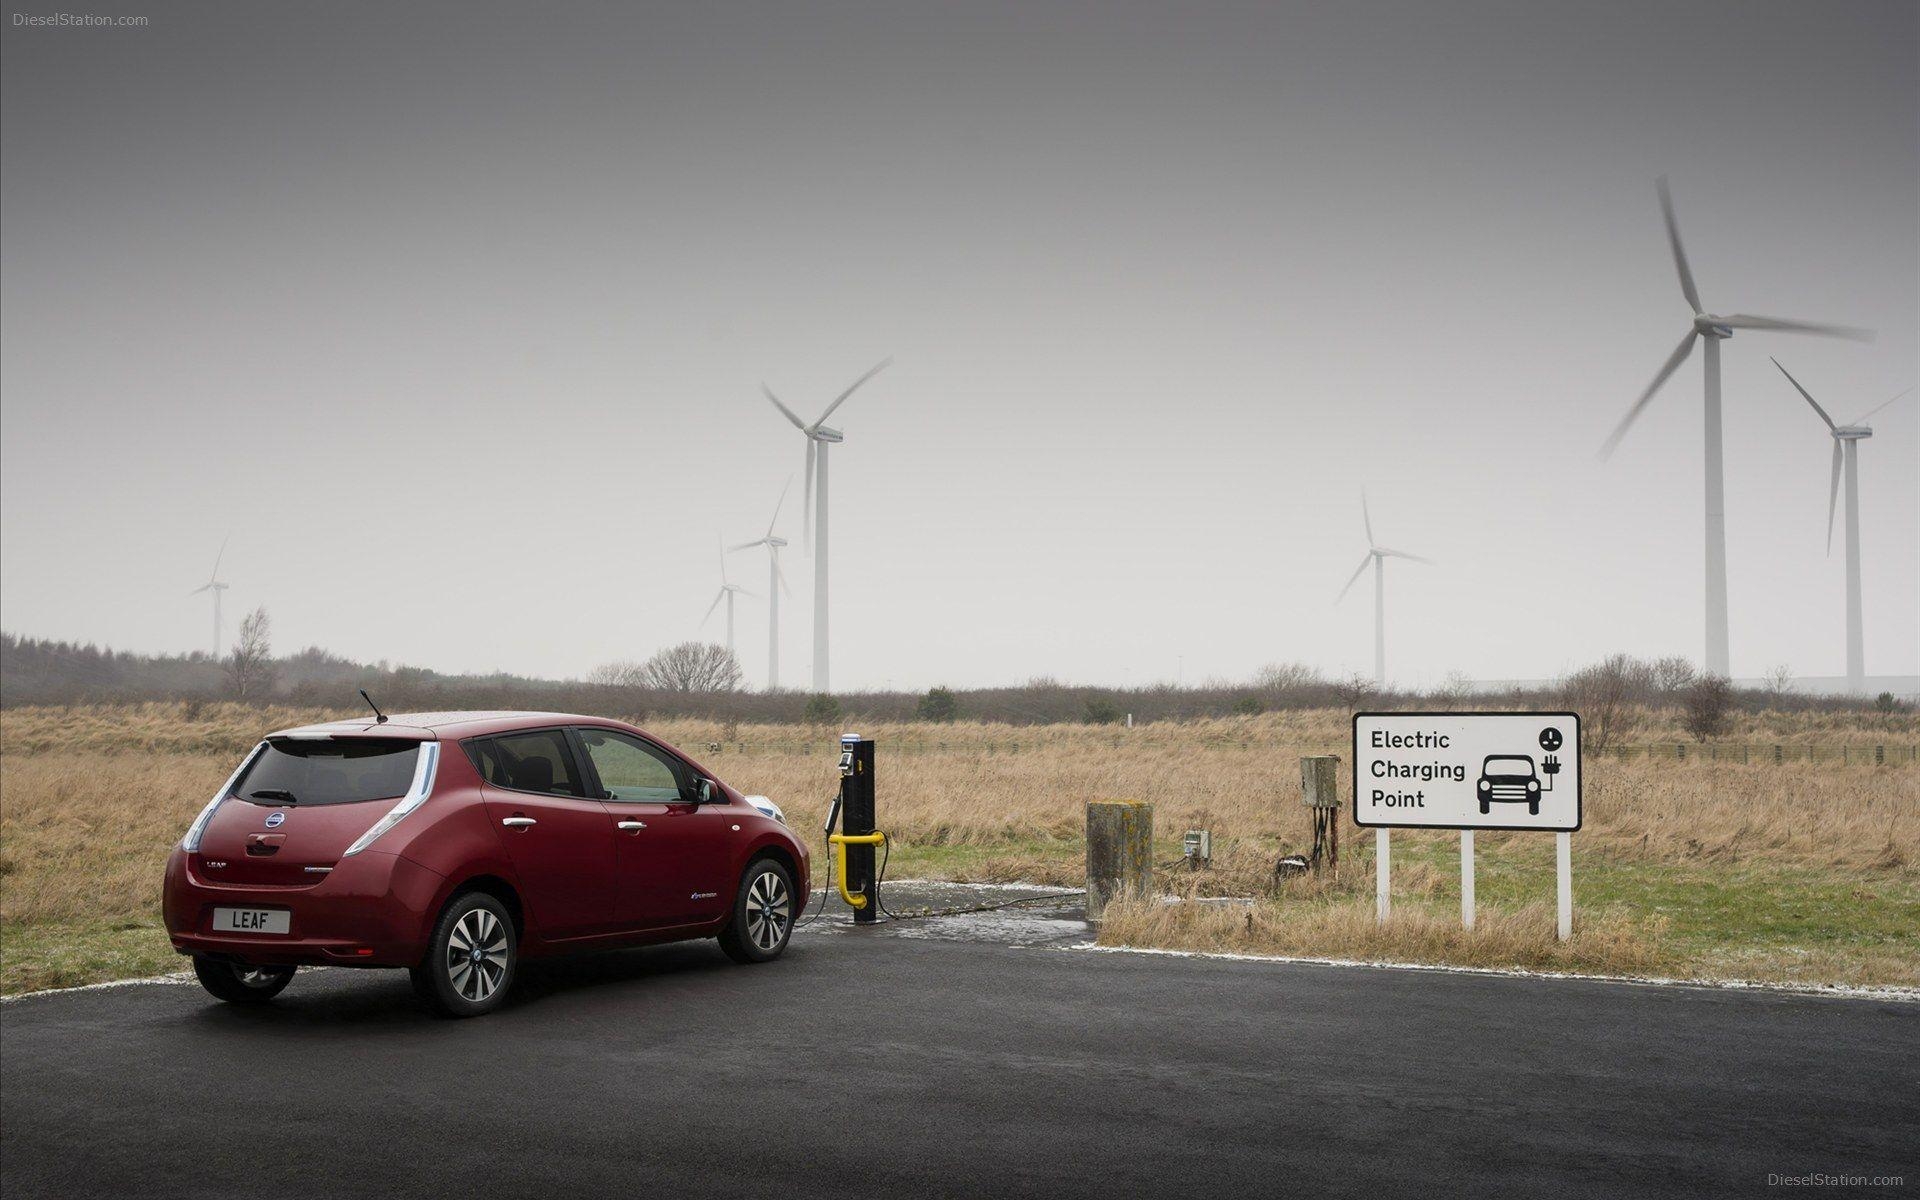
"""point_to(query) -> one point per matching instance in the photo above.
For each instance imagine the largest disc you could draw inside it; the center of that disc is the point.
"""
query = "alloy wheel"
(256, 977)
(768, 911)
(477, 955)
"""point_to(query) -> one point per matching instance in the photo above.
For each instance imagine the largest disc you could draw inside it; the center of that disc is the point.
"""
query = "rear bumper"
(374, 909)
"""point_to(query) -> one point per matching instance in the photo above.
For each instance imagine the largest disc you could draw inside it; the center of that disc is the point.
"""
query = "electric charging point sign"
(1455, 770)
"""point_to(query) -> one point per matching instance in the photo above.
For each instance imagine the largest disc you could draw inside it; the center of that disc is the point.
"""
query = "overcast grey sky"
(455, 317)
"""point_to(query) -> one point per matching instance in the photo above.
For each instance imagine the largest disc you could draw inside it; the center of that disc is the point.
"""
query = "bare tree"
(250, 670)
(1349, 692)
(693, 667)
(1282, 678)
(1670, 676)
(1778, 682)
(1705, 707)
(620, 673)
(1603, 695)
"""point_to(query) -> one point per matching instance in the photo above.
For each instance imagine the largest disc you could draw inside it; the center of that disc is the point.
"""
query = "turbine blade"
(1679, 252)
(203, 587)
(747, 545)
(724, 581)
(1876, 408)
(1782, 325)
(718, 597)
(746, 591)
(782, 500)
(1673, 362)
(842, 398)
(1803, 392)
(1356, 577)
(788, 413)
(807, 524)
(1382, 550)
(1833, 493)
(1366, 515)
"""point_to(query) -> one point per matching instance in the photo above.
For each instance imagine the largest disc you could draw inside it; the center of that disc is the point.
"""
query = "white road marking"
(177, 977)
(1837, 990)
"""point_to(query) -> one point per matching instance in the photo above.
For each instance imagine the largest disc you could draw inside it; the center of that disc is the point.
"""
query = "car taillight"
(422, 787)
(195, 831)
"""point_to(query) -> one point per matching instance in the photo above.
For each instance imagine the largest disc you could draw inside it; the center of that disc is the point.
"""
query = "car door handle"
(518, 822)
(633, 826)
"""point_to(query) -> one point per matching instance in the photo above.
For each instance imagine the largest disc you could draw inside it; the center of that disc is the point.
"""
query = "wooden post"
(1119, 852)
(1466, 878)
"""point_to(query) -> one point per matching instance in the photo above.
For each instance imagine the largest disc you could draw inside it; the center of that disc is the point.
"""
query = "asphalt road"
(969, 1058)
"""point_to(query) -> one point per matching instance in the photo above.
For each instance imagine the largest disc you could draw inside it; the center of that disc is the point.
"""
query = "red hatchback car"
(454, 843)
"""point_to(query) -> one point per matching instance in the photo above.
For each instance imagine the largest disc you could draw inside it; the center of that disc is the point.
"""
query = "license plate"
(251, 920)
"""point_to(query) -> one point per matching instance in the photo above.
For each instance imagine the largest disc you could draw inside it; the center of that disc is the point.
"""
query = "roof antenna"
(379, 718)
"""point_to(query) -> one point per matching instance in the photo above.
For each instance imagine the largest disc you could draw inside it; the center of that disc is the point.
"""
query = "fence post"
(1119, 852)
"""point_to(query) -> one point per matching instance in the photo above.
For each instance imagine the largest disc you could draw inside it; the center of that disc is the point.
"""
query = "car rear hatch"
(297, 807)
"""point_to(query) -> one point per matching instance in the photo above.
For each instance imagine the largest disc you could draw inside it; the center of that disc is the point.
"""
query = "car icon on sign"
(1509, 779)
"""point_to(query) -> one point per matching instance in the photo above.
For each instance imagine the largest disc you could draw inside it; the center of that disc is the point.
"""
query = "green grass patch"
(33, 957)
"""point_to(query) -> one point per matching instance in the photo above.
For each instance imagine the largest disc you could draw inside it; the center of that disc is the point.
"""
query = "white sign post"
(1469, 771)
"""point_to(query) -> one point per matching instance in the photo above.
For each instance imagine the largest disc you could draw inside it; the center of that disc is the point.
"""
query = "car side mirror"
(706, 793)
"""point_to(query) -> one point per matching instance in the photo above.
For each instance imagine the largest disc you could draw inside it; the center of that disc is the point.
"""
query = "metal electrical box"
(1197, 846)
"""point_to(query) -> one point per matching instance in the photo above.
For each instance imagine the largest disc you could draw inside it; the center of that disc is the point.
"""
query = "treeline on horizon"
(43, 672)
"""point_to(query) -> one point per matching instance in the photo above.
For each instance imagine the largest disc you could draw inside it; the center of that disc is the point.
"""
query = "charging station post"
(856, 819)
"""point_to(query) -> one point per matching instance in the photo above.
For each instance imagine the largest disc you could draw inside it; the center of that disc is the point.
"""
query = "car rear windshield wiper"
(279, 795)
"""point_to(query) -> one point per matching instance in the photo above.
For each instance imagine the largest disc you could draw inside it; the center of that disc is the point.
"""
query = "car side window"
(635, 771)
(539, 760)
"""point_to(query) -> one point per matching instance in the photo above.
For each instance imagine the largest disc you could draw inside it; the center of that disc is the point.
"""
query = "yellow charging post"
(857, 901)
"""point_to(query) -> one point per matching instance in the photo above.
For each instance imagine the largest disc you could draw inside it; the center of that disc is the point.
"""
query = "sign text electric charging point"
(1469, 771)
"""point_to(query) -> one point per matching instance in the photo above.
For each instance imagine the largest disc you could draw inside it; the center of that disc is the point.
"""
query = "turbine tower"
(214, 585)
(1846, 452)
(776, 583)
(728, 590)
(1377, 555)
(1712, 330)
(819, 438)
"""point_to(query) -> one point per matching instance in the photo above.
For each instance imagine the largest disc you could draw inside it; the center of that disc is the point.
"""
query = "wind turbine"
(819, 438)
(1712, 330)
(1377, 555)
(1846, 448)
(214, 585)
(776, 583)
(728, 590)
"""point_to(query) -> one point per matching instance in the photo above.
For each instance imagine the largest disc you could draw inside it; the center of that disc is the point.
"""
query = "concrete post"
(1320, 789)
(1320, 781)
(1119, 852)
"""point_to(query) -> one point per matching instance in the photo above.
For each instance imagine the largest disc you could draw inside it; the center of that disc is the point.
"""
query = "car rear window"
(344, 771)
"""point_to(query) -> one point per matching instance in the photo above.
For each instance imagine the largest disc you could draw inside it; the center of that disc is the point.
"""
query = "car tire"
(238, 983)
(1486, 806)
(763, 912)
(1533, 808)
(471, 958)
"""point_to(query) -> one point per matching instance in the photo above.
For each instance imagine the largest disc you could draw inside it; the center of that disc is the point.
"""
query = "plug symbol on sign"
(1550, 740)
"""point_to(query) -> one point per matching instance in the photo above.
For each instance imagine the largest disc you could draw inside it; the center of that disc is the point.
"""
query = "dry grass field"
(1796, 871)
